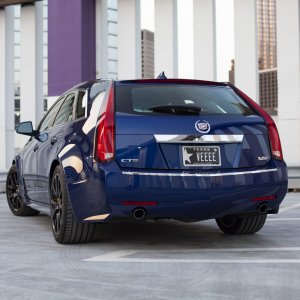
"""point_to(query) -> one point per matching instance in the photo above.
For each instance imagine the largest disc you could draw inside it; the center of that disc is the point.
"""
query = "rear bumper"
(181, 195)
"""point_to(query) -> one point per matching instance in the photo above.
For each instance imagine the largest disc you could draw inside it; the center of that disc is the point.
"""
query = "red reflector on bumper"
(139, 203)
(264, 198)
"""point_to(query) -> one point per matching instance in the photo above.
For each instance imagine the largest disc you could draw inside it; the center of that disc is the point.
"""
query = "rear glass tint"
(149, 99)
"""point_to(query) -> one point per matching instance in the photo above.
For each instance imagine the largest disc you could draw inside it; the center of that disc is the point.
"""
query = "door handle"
(53, 140)
(36, 147)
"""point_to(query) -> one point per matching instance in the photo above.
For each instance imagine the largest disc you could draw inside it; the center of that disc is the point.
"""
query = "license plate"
(201, 156)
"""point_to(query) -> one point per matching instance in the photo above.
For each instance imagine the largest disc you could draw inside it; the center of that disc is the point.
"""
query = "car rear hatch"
(168, 124)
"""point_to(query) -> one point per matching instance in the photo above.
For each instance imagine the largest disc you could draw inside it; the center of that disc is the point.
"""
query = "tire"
(14, 199)
(242, 225)
(65, 228)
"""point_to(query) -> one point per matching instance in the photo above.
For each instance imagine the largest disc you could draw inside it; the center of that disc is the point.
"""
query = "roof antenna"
(162, 75)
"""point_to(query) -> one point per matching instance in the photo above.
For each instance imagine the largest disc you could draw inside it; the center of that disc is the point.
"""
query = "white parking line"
(283, 219)
(112, 255)
(210, 261)
(119, 256)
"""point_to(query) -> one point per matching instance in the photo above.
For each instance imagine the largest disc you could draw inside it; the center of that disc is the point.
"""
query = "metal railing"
(294, 177)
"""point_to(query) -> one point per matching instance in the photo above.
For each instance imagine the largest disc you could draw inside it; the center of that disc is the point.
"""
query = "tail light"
(272, 129)
(275, 141)
(139, 203)
(264, 198)
(106, 131)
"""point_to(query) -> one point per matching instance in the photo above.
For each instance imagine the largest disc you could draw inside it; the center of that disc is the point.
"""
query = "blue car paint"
(96, 188)
(135, 139)
(177, 196)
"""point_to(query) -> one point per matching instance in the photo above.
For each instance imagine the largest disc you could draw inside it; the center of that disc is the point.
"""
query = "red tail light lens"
(139, 203)
(106, 131)
(275, 142)
(274, 139)
(273, 197)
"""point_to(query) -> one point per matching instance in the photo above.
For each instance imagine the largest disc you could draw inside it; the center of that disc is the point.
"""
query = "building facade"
(268, 90)
(266, 26)
(17, 71)
(267, 55)
(112, 39)
(147, 53)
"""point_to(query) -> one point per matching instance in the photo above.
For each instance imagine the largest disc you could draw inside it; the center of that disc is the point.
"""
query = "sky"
(224, 29)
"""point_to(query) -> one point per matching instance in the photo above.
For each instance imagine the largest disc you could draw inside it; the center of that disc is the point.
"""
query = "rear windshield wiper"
(177, 109)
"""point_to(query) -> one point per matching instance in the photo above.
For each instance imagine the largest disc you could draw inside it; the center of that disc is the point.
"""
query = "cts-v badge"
(129, 160)
(202, 126)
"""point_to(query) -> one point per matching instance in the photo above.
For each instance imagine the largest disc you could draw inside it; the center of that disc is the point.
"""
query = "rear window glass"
(179, 99)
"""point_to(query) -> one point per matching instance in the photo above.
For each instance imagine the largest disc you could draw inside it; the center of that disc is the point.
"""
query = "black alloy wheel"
(65, 228)
(56, 204)
(14, 199)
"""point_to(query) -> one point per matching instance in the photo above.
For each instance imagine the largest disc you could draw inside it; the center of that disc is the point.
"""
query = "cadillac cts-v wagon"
(149, 149)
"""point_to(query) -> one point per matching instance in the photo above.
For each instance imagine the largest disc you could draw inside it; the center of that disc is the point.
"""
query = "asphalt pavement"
(154, 260)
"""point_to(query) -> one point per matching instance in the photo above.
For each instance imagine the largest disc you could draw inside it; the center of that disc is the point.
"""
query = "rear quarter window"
(158, 99)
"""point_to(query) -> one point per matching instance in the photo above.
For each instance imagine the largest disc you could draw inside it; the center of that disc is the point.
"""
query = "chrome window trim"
(86, 103)
(199, 174)
(201, 139)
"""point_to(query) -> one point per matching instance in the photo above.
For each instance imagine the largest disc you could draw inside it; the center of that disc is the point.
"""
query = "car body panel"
(28, 169)
(149, 169)
(47, 149)
(182, 193)
(137, 147)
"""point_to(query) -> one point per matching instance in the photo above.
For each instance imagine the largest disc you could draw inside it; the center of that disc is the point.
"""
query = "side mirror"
(26, 129)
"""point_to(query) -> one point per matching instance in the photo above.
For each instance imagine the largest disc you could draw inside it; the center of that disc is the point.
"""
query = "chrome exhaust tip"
(139, 213)
(262, 208)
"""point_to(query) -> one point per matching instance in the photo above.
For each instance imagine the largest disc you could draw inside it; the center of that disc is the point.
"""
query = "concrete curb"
(294, 177)
(2, 181)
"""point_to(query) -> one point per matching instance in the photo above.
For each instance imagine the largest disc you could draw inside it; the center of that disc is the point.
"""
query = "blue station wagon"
(188, 150)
